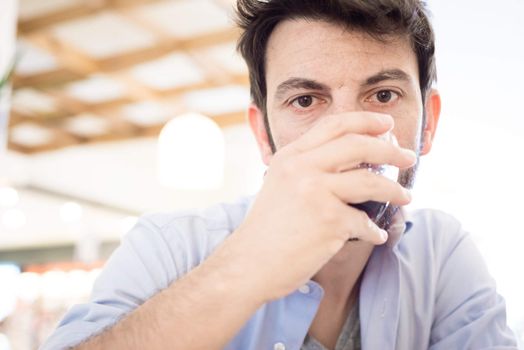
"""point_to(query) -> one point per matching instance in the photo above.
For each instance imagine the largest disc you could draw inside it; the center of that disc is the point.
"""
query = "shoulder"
(425, 251)
(434, 231)
(186, 236)
(159, 249)
(215, 217)
(457, 290)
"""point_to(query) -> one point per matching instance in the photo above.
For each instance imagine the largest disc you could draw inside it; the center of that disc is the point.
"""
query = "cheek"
(286, 129)
(407, 133)
(285, 136)
(408, 123)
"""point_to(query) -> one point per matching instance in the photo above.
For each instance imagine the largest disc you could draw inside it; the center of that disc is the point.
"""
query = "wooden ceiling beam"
(64, 139)
(67, 14)
(76, 65)
(165, 46)
(61, 139)
(82, 64)
(48, 79)
(69, 58)
(89, 7)
(230, 119)
(138, 91)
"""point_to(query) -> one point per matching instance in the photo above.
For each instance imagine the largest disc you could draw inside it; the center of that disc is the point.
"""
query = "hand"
(300, 218)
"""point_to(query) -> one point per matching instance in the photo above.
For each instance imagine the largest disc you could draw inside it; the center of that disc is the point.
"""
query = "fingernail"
(409, 153)
(385, 118)
(383, 235)
(407, 192)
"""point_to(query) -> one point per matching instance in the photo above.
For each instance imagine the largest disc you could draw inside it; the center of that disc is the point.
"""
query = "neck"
(340, 274)
(340, 279)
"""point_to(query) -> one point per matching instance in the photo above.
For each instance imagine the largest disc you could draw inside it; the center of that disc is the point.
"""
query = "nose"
(345, 99)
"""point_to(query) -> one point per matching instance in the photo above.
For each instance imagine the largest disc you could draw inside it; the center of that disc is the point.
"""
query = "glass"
(376, 210)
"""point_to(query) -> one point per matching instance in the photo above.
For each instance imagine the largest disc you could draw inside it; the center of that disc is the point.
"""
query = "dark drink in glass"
(376, 210)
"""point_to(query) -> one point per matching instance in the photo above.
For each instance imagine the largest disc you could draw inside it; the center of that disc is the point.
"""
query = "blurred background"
(111, 100)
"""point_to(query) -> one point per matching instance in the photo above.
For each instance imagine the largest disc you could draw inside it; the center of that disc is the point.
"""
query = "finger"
(334, 126)
(362, 185)
(357, 225)
(349, 151)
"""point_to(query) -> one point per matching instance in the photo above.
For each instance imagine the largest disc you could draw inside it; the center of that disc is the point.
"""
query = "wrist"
(232, 271)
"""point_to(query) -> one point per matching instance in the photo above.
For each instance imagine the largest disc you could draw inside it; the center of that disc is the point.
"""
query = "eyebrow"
(308, 84)
(389, 74)
(299, 83)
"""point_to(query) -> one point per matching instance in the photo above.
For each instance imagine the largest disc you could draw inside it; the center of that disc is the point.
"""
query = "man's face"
(315, 69)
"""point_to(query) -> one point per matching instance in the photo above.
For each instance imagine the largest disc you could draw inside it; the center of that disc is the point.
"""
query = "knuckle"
(335, 245)
(363, 218)
(279, 157)
(359, 226)
(329, 217)
(351, 141)
(364, 223)
(399, 193)
(307, 186)
(398, 189)
(372, 181)
(356, 140)
(334, 125)
(394, 152)
(287, 166)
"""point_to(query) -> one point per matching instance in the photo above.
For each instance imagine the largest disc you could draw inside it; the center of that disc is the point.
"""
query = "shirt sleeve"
(468, 314)
(139, 268)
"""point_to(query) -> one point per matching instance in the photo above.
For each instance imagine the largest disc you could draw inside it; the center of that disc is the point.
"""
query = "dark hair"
(378, 18)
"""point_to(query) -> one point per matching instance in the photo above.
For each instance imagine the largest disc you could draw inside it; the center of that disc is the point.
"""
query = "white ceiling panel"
(217, 101)
(226, 57)
(33, 60)
(168, 72)
(104, 35)
(186, 18)
(96, 89)
(30, 101)
(148, 113)
(30, 135)
(88, 125)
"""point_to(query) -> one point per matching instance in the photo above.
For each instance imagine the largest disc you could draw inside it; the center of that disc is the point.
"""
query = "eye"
(384, 96)
(304, 101)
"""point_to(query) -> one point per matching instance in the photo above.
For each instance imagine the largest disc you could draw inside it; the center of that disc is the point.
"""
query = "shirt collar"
(400, 224)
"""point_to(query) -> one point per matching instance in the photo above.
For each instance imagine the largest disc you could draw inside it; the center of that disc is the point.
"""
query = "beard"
(406, 177)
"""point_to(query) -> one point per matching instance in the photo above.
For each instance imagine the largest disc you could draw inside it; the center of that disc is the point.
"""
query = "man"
(297, 267)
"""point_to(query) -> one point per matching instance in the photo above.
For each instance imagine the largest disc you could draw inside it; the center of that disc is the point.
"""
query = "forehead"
(320, 50)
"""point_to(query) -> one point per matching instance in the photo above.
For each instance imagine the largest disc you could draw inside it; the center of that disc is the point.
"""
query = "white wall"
(475, 168)
(8, 15)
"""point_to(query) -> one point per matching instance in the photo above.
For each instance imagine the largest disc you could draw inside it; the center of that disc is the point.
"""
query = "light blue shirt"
(426, 288)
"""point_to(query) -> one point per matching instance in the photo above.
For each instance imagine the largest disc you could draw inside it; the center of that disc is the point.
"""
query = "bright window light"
(8, 294)
(8, 197)
(70, 212)
(191, 153)
(14, 219)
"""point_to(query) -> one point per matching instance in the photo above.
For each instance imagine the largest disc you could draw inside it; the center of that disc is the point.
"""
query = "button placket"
(279, 346)
(305, 289)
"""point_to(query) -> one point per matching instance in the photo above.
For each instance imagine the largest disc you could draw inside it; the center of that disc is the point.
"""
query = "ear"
(432, 107)
(256, 122)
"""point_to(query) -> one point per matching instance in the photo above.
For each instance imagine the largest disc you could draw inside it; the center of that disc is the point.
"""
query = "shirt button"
(305, 289)
(279, 346)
